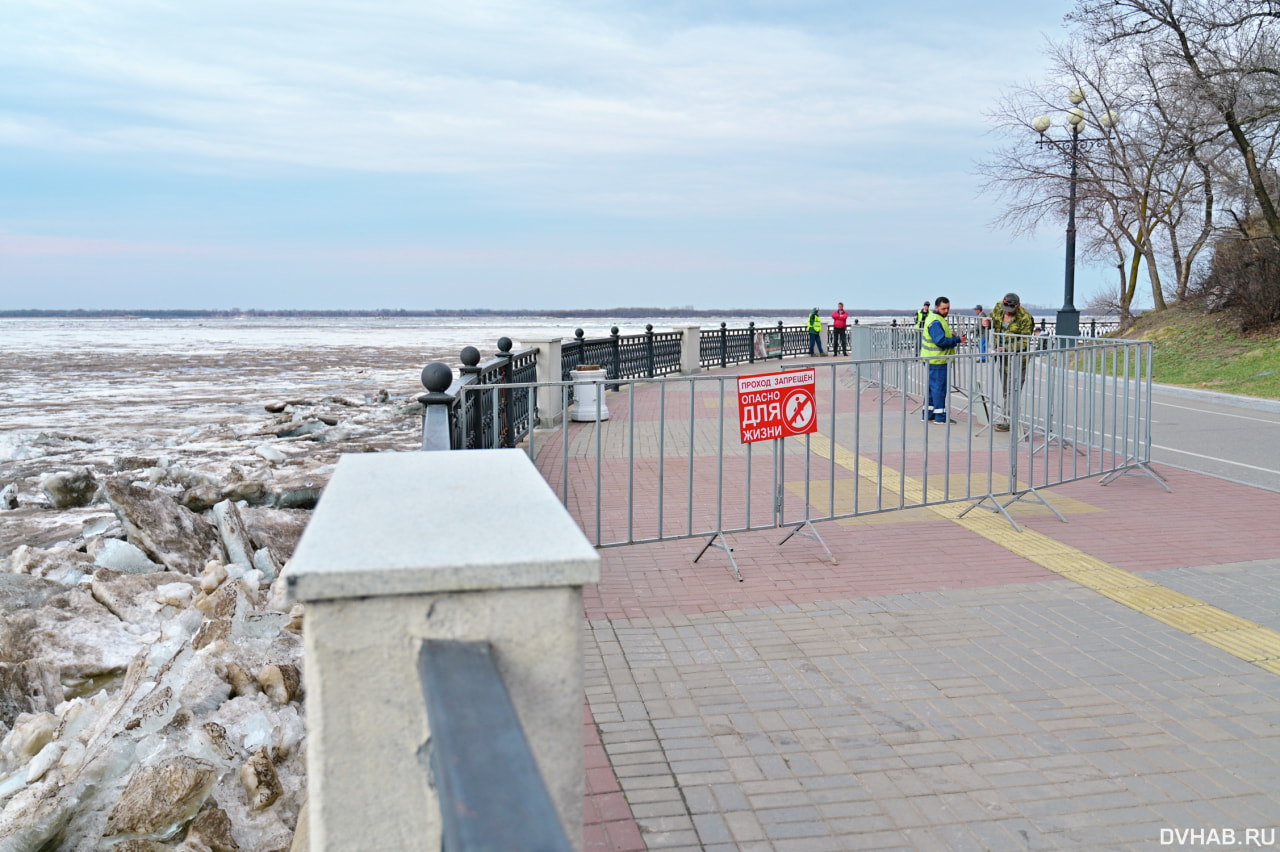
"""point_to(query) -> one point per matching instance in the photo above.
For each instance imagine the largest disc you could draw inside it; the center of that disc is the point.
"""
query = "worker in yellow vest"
(815, 332)
(936, 345)
(920, 316)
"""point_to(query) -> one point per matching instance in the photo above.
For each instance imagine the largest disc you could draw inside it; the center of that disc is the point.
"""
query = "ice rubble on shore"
(151, 689)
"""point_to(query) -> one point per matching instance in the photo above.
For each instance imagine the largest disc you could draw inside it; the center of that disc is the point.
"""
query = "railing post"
(782, 342)
(504, 395)
(724, 345)
(550, 369)
(1093, 327)
(648, 349)
(470, 358)
(751, 339)
(399, 552)
(436, 434)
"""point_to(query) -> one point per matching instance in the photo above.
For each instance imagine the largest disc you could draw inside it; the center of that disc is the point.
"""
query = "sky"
(375, 154)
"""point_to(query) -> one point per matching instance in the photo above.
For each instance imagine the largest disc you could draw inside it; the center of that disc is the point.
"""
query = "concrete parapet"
(402, 548)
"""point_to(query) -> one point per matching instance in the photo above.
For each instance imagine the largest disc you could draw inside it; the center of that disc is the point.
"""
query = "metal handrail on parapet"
(492, 795)
(459, 664)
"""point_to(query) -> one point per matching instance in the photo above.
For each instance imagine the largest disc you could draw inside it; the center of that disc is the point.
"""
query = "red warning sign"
(776, 405)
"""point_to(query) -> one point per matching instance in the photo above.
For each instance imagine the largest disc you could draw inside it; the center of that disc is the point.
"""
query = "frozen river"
(95, 376)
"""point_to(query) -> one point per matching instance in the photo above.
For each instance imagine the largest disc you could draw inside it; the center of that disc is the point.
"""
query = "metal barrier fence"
(668, 462)
(505, 420)
(1093, 327)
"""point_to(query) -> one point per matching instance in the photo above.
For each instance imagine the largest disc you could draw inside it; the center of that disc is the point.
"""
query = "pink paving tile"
(608, 824)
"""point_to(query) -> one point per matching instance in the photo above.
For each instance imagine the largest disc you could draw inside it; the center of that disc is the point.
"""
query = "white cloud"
(471, 87)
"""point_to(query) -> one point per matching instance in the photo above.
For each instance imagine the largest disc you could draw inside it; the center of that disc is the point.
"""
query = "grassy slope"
(1199, 351)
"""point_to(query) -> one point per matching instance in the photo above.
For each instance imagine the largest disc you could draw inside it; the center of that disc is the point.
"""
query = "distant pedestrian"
(982, 335)
(938, 344)
(815, 332)
(1012, 326)
(839, 322)
(921, 316)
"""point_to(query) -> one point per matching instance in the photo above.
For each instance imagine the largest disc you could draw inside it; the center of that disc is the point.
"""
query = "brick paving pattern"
(939, 688)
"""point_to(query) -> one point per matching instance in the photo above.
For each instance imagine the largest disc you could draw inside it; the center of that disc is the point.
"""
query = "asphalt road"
(1233, 438)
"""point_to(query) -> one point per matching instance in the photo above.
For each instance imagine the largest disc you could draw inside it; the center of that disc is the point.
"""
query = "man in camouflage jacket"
(1012, 326)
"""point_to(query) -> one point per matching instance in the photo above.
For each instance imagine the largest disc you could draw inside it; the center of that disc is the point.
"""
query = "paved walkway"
(1112, 682)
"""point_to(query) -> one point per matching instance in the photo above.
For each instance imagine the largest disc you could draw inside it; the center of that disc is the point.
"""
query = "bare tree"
(1141, 184)
(1225, 56)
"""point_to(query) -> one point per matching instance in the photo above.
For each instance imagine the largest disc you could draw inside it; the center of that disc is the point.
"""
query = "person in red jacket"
(839, 337)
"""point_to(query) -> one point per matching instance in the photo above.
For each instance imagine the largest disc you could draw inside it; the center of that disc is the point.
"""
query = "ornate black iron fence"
(623, 356)
(499, 419)
(720, 347)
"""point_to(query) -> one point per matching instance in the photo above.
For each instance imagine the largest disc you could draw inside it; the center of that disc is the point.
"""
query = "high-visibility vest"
(930, 351)
(815, 323)
(921, 316)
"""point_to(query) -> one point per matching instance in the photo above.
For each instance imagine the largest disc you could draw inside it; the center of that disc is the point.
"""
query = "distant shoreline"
(633, 313)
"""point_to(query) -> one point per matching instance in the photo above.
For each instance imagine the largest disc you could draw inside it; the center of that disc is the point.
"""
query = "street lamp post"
(1068, 324)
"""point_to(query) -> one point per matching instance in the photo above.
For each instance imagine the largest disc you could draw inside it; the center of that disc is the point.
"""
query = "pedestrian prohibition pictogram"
(777, 405)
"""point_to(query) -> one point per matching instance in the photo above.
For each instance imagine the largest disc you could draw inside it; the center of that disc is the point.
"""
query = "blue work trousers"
(937, 402)
(815, 339)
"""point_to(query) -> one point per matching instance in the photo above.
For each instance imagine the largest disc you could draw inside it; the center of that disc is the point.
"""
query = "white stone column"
(690, 349)
(402, 549)
(550, 400)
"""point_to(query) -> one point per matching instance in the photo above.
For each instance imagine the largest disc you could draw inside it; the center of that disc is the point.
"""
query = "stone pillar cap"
(418, 523)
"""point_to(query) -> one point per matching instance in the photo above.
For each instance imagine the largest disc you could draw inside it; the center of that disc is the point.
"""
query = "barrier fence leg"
(994, 507)
(806, 529)
(1133, 467)
(1020, 496)
(718, 540)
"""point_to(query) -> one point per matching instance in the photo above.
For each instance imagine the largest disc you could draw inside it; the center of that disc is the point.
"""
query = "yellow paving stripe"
(1237, 636)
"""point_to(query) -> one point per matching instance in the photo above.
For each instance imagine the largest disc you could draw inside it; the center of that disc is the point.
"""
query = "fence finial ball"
(470, 356)
(436, 377)
(614, 331)
(648, 326)
(724, 325)
(578, 333)
(504, 345)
